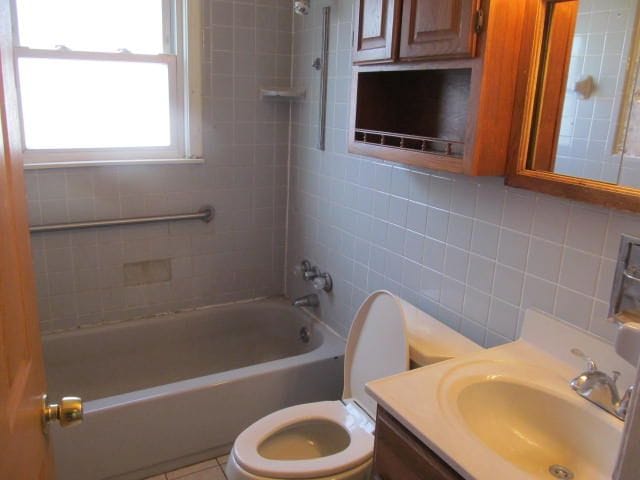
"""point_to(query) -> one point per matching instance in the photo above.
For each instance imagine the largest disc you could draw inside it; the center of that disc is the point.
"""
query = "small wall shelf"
(437, 146)
(282, 93)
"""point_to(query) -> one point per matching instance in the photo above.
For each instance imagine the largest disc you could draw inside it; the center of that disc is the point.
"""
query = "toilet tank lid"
(430, 340)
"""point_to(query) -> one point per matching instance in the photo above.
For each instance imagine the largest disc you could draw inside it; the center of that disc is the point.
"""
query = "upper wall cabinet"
(443, 96)
(439, 28)
(375, 30)
(389, 30)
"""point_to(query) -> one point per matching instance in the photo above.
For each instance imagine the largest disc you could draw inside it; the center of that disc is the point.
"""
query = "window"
(108, 80)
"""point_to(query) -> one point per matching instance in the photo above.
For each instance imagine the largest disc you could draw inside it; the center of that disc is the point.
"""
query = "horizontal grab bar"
(205, 214)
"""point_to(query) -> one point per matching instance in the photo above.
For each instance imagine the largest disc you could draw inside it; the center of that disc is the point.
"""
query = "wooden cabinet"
(375, 30)
(447, 101)
(399, 455)
(389, 30)
(439, 29)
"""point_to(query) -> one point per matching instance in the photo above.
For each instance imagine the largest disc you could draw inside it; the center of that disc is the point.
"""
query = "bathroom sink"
(536, 426)
(508, 412)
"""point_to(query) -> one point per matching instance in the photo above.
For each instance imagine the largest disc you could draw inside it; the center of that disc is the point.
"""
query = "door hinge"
(479, 21)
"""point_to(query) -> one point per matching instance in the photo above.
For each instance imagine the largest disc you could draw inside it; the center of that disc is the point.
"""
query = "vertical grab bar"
(324, 59)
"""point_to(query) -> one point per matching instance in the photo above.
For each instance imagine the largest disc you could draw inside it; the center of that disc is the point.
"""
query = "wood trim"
(553, 81)
(494, 88)
(417, 159)
(575, 188)
(581, 189)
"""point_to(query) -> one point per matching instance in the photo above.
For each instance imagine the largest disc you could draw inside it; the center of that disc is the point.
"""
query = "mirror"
(580, 101)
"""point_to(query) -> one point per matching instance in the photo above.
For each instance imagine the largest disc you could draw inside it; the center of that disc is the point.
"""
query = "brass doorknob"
(68, 412)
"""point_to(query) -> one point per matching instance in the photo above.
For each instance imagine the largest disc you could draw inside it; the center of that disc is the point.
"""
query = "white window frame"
(183, 38)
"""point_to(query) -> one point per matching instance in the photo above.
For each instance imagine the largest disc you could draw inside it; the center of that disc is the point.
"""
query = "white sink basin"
(531, 420)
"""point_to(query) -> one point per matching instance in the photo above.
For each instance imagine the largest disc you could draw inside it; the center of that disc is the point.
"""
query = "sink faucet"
(310, 300)
(600, 388)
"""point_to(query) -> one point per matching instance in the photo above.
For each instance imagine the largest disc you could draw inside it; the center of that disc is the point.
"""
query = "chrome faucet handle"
(615, 375)
(312, 274)
(306, 270)
(623, 404)
(323, 281)
(591, 365)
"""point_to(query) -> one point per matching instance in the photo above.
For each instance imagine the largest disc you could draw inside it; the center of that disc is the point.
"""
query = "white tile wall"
(468, 250)
(241, 253)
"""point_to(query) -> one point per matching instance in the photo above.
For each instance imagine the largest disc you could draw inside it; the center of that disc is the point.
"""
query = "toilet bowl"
(333, 440)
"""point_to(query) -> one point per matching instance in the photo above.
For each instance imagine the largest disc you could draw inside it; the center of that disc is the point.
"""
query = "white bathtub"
(172, 390)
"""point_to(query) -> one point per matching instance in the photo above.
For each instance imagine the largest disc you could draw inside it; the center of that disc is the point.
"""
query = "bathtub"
(176, 389)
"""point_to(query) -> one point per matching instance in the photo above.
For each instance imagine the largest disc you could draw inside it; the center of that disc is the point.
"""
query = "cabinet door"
(399, 455)
(438, 29)
(376, 25)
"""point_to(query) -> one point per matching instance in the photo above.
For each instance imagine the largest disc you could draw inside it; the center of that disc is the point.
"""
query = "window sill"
(112, 163)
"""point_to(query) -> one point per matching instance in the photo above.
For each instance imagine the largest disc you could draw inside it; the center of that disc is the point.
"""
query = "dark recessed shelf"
(419, 111)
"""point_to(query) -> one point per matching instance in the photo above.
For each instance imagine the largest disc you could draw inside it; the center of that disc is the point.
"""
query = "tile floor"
(209, 470)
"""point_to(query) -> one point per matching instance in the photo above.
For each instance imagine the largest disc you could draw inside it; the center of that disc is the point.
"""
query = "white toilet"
(333, 440)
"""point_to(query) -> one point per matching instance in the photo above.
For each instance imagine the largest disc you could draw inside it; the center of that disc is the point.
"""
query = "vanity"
(399, 455)
(506, 412)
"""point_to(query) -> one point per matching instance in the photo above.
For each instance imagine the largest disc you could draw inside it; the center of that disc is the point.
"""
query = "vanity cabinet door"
(439, 29)
(399, 455)
(376, 26)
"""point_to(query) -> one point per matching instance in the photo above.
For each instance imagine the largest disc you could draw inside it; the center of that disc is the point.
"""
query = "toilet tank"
(431, 341)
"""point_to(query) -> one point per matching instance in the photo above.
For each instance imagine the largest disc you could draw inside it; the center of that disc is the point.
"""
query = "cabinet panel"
(376, 30)
(438, 29)
(398, 455)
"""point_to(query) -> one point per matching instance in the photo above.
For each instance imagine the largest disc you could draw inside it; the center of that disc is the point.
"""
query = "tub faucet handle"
(312, 274)
(323, 282)
(303, 269)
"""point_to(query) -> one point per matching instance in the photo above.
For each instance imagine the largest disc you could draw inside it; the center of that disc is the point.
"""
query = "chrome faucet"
(600, 388)
(310, 300)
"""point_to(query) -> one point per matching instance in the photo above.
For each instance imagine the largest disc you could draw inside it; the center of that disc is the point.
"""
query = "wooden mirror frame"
(517, 175)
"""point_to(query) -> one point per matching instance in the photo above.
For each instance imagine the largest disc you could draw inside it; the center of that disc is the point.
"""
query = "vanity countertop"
(427, 402)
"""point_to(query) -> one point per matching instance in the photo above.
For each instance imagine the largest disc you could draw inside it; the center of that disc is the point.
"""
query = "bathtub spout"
(310, 300)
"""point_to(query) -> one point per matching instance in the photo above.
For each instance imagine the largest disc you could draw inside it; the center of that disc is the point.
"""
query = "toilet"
(333, 440)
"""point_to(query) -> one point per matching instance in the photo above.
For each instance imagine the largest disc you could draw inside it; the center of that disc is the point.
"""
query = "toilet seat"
(346, 415)
(378, 327)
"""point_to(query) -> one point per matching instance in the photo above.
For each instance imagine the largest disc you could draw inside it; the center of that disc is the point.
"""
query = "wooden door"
(438, 29)
(24, 450)
(376, 30)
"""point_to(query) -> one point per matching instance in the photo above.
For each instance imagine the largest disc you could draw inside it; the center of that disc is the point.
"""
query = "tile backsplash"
(470, 251)
(240, 254)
